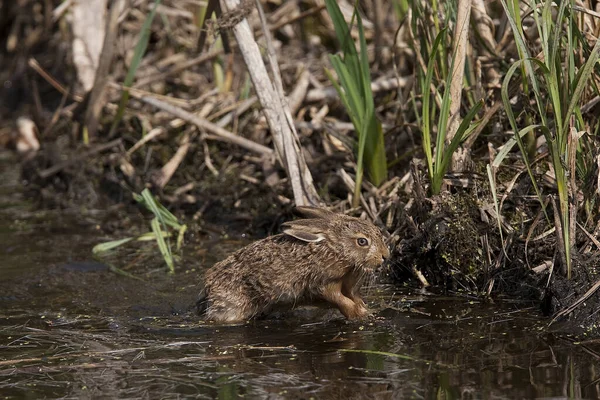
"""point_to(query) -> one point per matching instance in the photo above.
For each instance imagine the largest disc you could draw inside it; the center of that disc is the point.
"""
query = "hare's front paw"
(360, 312)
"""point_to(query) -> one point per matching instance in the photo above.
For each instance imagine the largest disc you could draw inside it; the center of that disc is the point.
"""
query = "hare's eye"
(362, 241)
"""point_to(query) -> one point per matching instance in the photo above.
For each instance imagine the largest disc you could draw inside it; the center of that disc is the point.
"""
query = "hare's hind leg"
(223, 309)
(332, 292)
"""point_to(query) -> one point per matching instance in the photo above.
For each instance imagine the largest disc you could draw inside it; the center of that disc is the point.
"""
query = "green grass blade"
(152, 206)
(426, 90)
(162, 245)
(442, 127)
(351, 90)
(157, 209)
(507, 147)
(511, 14)
(354, 89)
(513, 124)
(180, 236)
(458, 138)
(106, 246)
(140, 50)
(364, 65)
(342, 95)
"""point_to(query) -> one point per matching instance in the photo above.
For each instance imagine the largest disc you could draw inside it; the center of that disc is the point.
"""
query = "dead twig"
(166, 172)
(221, 133)
(270, 95)
(459, 49)
(96, 103)
(329, 93)
(576, 303)
(33, 64)
(60, 166)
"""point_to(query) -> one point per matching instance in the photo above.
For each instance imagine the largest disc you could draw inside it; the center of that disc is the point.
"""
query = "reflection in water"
(75, 329)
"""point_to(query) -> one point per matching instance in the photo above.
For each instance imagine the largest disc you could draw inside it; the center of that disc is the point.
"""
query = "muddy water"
(72, 328)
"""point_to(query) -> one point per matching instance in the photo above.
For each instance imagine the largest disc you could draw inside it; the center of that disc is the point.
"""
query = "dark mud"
(70, 327)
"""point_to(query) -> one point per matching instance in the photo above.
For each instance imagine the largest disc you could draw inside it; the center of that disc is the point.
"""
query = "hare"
(325, 256)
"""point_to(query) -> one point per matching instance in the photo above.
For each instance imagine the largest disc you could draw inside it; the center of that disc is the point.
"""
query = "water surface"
(72, 328)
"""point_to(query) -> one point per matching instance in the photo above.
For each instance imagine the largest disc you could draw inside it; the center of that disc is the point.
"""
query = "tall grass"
(354, 89)
(439, 157)
(557, 80)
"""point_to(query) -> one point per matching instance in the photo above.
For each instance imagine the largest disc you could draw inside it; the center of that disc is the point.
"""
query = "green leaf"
(138, 53)
(162, 245)
(513, 124)
(427, 117)
(106, 246)
(354, 89)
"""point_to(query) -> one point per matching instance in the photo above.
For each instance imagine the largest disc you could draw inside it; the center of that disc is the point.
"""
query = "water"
(71, 328)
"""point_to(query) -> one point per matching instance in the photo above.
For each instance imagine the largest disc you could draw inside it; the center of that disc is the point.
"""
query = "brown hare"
(326, 256)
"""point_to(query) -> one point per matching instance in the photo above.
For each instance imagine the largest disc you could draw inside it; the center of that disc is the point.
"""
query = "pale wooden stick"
(274, 106)
(459, 49)
(223, 134)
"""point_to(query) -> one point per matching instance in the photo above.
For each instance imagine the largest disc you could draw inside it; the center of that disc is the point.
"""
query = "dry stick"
(242, 108)
(55, 116)
(291, 151)
(148, 137)
(572, 142)
(459, 49)
(378, 22)
(329, 93)
(59, 167)
(61, 9)
(559, 232)
(209, 56)
(88, 25)
(275, 110)
(307, 193)
(589, 235)
(209, 126)
(577, 302)
(161, 76)
(296, 97)
(167, 171)
(96, 103)
(33, 64)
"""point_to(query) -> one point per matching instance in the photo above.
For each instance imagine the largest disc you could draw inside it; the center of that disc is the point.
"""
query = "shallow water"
(71, 328)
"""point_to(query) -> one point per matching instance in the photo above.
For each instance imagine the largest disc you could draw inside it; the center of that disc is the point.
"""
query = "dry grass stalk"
(88, 24)
(275, 109)
(96, 102)
(459, 50)
(166, 172)
(209, 126)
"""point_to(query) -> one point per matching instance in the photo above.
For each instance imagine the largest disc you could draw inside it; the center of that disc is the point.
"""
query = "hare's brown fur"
(324, 256)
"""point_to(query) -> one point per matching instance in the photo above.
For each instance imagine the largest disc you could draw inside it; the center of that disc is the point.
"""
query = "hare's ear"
(314, 212)
(306, 233)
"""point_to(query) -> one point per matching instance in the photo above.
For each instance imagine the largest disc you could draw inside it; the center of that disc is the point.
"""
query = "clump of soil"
(455, 247)
(575, 302)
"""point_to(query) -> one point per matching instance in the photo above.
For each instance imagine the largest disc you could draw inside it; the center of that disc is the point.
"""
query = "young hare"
(326, 255)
